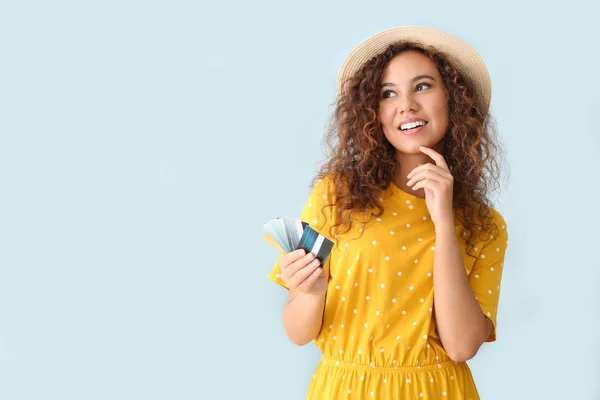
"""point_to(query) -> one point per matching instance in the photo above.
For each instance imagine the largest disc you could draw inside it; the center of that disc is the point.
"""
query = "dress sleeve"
(318, 219)
(486, 274)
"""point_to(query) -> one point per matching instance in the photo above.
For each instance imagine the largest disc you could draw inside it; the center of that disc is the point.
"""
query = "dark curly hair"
(361, 160)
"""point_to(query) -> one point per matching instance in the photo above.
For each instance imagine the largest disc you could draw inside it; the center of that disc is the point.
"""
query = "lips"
(411, 121)
(412, 131)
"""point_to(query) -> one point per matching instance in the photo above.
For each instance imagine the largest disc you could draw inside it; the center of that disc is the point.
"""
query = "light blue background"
(144, 144)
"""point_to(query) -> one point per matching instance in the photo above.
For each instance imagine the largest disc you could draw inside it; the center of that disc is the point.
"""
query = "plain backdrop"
(144, 143)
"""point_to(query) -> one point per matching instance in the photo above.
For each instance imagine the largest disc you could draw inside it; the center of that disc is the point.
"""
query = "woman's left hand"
(438, 182)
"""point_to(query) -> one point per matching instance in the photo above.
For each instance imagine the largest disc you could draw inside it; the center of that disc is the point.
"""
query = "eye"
(385, 94)
(421, 85)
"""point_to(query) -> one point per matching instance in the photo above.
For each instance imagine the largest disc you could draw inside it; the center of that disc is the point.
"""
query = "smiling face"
(413, 107)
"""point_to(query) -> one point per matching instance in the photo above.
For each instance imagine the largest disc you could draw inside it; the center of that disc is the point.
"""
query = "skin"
(303, 312)
(402, 97)
(405, 93)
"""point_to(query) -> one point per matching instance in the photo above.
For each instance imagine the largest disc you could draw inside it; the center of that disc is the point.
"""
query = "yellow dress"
(379, 338)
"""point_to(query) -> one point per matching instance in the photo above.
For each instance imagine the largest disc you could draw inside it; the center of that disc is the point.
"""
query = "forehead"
(407, 65)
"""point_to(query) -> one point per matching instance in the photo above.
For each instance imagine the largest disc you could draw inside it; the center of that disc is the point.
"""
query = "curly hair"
(361, 160)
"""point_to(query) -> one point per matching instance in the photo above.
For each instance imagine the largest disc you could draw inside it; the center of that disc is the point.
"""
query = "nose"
(406, 103)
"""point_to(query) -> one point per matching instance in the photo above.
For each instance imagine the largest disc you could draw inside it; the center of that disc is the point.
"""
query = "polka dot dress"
(379, 338)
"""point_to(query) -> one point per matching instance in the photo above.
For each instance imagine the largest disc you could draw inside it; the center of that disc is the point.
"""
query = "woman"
(410, 289)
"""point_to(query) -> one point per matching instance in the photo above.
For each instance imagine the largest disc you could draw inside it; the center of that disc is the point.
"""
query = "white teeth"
(412, 125)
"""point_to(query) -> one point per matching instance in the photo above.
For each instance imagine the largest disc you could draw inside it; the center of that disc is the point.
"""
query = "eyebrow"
(416, 78)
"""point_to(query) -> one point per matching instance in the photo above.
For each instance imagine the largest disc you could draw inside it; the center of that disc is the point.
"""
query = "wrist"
(318, 295)
(445, 226)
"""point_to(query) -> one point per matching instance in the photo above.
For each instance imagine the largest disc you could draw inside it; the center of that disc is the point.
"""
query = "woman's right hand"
(302, 273)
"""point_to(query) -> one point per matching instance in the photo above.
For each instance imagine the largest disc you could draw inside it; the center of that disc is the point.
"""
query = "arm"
(460, 318)
(303, 316)
(299, 273)
(462, 326)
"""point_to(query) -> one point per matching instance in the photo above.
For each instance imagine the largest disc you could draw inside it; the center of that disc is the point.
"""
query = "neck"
(408, 162)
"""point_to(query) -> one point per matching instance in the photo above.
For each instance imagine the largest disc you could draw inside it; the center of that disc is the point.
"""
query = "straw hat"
(456, 50)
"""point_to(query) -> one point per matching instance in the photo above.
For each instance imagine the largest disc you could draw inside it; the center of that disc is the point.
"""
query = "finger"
(429, 184)
(304, 273)
(312, 278)
(297, 265)
(416, 169)
(426, 167)
(291, 257)
(434, 174)
(435, 156)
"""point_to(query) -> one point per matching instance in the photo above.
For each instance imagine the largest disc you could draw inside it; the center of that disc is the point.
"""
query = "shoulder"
(496, 229)
(323, 187)
(496, 217)
(483, 214)
(487, 223)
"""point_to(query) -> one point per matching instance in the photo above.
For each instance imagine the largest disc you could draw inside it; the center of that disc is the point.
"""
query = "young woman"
(410, 289)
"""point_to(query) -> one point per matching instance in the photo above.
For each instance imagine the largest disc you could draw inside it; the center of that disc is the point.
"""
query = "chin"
(411, 148)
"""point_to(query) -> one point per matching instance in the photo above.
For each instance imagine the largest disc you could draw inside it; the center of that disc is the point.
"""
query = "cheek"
(441, 110)
(386, 115)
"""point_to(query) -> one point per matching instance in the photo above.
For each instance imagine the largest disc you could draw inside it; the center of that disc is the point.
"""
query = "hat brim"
(462, 56)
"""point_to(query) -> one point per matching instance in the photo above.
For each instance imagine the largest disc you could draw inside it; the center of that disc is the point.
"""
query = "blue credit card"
(313, 242)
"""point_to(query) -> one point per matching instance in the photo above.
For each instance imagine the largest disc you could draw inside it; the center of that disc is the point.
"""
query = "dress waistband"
(332, 361)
